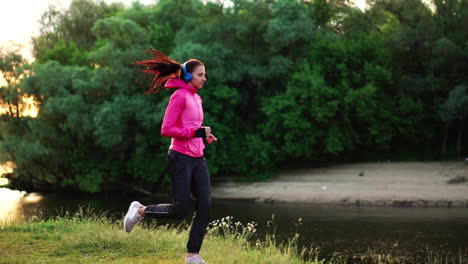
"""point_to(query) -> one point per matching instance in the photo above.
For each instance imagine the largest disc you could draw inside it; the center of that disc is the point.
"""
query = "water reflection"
(13, 202)
(3, 181)
(4, 169)
(18, 206)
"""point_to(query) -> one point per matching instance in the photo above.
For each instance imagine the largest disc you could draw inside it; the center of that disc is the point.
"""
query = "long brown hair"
(164, 68)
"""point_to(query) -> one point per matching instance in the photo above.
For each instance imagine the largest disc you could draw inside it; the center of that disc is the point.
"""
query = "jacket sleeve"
(173, 114)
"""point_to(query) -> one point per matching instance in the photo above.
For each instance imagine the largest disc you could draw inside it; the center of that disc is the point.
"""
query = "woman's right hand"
(210, 138)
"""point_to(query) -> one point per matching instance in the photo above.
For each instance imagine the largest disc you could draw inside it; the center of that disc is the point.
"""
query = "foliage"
(71, 26)
(12, 68)
(337, 101)
(287, 81)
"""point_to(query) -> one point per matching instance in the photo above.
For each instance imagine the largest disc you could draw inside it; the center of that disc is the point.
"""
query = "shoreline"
(395, 184)
(358, 203)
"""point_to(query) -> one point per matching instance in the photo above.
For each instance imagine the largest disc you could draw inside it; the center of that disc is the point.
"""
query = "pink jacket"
(184, 115)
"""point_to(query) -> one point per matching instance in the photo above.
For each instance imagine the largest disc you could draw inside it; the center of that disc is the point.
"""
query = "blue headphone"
(187, 76)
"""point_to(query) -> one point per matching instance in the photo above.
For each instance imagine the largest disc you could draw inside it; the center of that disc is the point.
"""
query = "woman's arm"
(169, 126)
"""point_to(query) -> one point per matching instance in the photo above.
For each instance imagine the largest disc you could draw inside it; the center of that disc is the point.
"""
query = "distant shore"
(423, 184)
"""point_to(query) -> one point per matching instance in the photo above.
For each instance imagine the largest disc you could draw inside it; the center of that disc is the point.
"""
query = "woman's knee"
(182, 208)
(204, 203)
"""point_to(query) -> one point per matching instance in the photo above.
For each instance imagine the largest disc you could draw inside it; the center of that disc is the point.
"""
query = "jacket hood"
(179, 83)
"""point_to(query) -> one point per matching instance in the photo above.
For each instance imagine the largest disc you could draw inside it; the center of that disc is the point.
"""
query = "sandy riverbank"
(387, 183)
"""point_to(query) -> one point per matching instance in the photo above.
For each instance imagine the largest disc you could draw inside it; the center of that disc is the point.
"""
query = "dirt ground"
(387, 183)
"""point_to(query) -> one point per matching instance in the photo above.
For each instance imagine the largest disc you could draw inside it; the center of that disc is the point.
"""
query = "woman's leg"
(201, 190)
(180, 168)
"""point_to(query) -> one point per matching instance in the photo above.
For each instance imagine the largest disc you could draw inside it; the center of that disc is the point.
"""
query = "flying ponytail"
(162, 67)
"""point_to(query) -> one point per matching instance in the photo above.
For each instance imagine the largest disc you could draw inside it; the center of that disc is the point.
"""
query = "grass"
(97, 239)
(86, 237)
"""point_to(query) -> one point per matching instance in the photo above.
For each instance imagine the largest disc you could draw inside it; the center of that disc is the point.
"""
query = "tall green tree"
(12, 67)
(428, 57)
(448, 62)
(70, 29)
(455, 109)
(336, 101)
(287, 81)
(14, 131)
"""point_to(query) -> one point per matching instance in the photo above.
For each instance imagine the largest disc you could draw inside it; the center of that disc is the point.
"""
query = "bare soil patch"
(386, 183)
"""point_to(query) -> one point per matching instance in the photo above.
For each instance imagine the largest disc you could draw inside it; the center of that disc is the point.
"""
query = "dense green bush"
(287, 81)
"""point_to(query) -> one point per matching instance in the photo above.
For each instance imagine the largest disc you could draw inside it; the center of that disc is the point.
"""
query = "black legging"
(189, 176)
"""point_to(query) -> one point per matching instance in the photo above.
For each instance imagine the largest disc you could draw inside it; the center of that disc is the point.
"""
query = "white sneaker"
(194, 260)
(132, 217)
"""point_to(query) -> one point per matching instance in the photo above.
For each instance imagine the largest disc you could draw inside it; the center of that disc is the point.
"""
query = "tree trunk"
(444, 140)
(460, 137)
(10, 107)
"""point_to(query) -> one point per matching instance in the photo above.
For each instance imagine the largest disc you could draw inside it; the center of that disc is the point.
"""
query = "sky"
(19, 19)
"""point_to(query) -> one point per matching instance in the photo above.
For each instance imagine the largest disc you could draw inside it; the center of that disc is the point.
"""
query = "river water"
(347, 231)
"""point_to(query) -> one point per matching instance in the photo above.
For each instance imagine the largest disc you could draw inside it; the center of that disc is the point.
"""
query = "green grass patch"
(90, 238)
(82, 239)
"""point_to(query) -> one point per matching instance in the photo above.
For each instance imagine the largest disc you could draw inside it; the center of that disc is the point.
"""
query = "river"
(348, 231)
